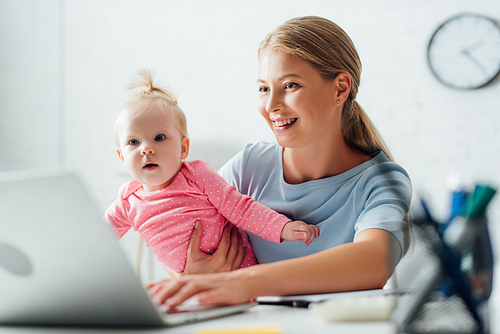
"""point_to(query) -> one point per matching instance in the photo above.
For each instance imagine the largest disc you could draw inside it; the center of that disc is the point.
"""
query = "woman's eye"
(160, 137)
(133, 142)
(291, 85)
(263, 89)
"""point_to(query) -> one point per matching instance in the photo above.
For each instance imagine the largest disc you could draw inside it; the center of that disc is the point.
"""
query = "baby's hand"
(298, 230)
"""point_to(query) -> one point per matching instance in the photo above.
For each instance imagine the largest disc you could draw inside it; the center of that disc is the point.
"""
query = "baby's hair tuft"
(144, 81)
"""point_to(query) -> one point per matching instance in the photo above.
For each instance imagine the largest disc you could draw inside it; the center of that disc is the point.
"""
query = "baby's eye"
(160, 137)
(133, 142)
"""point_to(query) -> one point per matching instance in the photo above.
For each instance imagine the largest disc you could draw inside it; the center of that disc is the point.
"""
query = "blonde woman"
(329, 167)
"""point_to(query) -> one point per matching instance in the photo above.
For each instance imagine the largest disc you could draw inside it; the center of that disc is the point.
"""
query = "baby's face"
(152, 149)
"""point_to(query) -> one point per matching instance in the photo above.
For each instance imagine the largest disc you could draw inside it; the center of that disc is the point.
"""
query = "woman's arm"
(366, 263)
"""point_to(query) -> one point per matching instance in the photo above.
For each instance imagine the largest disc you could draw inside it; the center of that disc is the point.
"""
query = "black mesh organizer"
(450, 273)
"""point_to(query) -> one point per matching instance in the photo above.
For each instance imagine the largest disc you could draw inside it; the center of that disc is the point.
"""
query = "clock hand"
(475, 61)
(473, 47)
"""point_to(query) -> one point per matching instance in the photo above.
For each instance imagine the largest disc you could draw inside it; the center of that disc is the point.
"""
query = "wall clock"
(464, 52)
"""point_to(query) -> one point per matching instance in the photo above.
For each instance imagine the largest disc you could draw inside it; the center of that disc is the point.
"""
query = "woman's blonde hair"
(149, 97)
(328, 48)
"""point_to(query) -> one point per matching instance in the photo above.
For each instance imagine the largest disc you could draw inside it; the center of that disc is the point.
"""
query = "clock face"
(464, 52)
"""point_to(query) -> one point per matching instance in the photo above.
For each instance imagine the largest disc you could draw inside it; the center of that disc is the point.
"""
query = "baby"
(168, 195)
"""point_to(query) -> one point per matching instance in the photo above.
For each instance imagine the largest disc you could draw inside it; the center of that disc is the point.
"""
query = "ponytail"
(359, 132)
(144, 82)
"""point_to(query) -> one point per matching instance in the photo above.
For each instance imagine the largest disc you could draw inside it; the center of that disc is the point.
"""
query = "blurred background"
(64, 67)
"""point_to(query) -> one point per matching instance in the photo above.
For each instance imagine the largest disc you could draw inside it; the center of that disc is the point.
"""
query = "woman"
(329, 168)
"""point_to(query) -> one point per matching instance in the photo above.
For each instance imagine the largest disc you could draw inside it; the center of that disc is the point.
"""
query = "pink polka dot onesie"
(165, 218)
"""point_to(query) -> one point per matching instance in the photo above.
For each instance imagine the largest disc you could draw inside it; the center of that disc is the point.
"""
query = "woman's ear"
(343, 85)
(184, 148)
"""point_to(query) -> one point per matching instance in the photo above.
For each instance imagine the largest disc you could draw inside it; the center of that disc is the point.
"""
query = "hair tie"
(149, 91)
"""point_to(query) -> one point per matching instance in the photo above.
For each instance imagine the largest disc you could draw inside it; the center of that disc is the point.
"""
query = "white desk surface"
(288, 320)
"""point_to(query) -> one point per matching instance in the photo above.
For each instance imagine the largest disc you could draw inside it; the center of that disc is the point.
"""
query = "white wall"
(30, 88)
(64, 67)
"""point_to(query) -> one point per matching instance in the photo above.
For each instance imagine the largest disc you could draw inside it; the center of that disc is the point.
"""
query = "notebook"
(60, 263)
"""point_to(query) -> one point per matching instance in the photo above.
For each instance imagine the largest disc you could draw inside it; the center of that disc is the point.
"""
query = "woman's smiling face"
(296, 102)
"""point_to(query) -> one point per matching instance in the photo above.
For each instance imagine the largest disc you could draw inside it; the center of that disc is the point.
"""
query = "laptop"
(60, 263)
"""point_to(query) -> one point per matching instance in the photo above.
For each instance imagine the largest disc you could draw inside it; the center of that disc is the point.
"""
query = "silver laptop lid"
(59, 262)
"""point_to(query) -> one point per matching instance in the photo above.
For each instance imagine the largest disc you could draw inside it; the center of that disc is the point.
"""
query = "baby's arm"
(298, 230)
(117, 216)
(239, 209)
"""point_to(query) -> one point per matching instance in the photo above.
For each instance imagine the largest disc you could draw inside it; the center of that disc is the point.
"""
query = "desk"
(290, 320)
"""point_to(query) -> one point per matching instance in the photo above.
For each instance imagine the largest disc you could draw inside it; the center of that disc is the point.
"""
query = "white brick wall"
(64, 65)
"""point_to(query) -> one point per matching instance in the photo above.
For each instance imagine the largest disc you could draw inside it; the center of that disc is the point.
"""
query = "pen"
(291, 303)
(457, 207)
(477, 203)
(427, 216)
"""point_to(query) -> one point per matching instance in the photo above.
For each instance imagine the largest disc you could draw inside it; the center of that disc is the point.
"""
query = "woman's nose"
(147, 150)
(274, 103)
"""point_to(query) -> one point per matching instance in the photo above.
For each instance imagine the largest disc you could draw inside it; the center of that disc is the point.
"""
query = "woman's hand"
(228, 256)
(220, 288)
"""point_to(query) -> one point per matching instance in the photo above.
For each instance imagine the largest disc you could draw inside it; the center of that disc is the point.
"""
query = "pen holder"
(456, 272)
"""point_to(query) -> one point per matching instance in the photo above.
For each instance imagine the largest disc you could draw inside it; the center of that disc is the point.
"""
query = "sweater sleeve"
(241, 210)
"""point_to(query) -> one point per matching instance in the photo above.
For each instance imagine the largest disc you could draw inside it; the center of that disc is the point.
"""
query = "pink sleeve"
(117, 219)
(241, 210)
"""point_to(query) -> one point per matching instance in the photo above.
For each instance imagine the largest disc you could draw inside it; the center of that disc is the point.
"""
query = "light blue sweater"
(375, 194)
